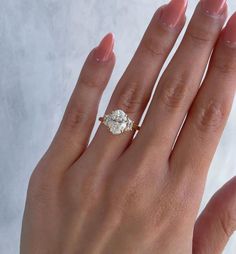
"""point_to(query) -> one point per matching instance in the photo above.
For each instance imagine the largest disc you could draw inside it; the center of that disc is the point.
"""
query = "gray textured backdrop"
(42, 47)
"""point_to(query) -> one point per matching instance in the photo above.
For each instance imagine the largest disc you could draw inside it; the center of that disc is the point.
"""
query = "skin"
(121, 194)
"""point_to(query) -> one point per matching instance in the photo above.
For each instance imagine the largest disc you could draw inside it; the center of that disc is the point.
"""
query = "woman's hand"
(121, 194)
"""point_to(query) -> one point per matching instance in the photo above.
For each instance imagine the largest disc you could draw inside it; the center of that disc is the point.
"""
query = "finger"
(207, 117)
(78, 121)
(217, 222)
(180, 82)
(134, 89)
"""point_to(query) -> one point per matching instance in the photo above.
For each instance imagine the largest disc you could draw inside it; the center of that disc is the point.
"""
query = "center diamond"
(118, 122)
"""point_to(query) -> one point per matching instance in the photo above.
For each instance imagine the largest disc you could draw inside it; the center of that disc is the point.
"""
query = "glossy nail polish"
(105, 49)
(213, 7)
(172, 13)
(229, 35)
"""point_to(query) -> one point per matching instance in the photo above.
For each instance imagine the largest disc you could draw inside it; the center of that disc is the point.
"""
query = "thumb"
(217, 222)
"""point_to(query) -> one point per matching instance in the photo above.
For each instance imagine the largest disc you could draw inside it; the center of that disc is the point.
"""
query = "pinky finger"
(75, 129)
(217, 222)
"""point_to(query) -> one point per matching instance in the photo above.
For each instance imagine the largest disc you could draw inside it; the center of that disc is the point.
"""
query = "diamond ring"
(118, 122)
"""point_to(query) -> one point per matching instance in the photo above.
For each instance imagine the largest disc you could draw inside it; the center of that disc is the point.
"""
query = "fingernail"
(213, 7)
(105, 49)
(229, 35)
(172, 13)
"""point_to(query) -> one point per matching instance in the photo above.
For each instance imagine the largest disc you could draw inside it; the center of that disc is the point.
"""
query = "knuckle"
(112, 217)
(86, 195)
(228, 223)
(152, 47)
(134, 200)
(200, 37)
(40, 191)
(131, 193)
(87, 190)
(132, 98)
(156, 44)
(211, 116)
(224, 67)
(173, 92)
(88, 82)
(180, 200)
(84, 191)
(75, 117)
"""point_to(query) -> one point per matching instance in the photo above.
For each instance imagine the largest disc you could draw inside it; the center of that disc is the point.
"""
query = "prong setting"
(118, 122)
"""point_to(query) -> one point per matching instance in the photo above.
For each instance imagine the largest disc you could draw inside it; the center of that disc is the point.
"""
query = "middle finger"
(180, 81)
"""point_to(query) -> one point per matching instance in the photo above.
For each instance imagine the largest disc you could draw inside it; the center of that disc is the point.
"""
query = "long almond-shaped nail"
(213, 7)
(105, 49)
(172, 13)
(229, 35)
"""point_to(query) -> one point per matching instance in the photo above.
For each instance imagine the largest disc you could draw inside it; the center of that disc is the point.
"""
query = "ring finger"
(134, 89)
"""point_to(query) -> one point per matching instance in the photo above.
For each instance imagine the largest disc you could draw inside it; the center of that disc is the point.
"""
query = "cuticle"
(160, 21)
(219, 16)
(167, 26)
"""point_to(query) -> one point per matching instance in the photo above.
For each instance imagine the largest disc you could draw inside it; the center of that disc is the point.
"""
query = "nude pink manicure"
(229, 35)
(213, 7)
(173, 13)
(105, 49)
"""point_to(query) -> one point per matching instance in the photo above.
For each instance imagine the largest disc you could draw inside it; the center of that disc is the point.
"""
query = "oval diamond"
(118, 122)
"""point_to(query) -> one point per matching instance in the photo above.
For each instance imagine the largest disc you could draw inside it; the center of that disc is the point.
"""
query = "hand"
(126, 194)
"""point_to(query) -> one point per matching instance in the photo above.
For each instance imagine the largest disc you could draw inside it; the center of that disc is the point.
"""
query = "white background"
(42, 47)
